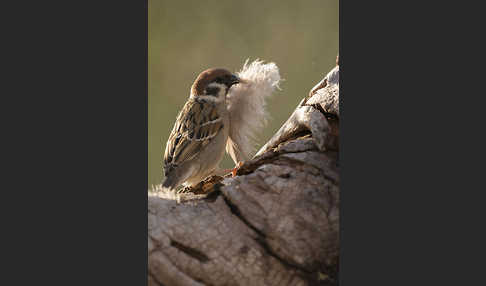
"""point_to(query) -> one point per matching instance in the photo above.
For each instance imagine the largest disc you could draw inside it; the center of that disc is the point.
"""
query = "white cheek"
(222, 92)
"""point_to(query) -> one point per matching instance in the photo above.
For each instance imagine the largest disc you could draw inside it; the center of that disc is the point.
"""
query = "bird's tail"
(168, 183)
(172, 177)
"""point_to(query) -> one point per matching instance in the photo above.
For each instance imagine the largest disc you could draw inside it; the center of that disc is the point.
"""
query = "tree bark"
(275, 223)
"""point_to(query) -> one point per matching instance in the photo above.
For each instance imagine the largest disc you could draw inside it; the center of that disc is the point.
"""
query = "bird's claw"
(236, 168)
(184, 190)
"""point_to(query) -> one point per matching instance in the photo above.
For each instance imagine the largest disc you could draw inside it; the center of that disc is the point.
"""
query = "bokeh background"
(187, 37)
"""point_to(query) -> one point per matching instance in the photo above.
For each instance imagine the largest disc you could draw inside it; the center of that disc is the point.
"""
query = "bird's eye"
(219, 79)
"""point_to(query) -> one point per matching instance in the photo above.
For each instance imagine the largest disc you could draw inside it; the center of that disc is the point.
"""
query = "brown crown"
(206, 77)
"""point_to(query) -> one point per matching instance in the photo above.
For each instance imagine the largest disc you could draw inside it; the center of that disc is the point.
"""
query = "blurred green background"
(187, 37)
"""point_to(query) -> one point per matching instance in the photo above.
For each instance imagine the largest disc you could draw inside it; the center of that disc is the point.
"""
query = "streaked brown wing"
(196, 125)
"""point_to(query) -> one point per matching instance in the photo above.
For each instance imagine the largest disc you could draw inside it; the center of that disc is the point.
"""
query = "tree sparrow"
(219, 114)
(197, 142)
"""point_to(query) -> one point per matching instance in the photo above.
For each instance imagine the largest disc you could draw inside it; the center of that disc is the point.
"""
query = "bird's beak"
(236, 79)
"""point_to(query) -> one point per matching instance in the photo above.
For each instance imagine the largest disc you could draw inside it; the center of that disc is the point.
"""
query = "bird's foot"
(184, 190)
(236, 168)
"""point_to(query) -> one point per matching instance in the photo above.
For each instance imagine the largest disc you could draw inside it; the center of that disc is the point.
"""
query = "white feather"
(246, 106)
(164, 193)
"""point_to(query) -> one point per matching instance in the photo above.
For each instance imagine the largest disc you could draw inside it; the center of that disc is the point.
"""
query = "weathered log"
(275, 223)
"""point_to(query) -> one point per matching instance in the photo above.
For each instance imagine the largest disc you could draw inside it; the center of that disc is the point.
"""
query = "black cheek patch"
(213, 91)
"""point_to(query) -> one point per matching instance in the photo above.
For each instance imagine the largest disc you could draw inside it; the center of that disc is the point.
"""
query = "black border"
(76, 209)
(409, 212)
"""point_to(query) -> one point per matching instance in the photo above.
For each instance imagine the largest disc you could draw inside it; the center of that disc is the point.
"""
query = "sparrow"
(196, 144)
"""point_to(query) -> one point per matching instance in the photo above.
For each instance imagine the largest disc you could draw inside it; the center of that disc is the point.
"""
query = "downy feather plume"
(246, 106)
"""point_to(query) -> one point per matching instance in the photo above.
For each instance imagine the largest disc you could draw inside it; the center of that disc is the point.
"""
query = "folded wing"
(197, 124)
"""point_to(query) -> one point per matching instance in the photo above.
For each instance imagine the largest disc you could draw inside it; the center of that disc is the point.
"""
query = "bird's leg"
(236, 168)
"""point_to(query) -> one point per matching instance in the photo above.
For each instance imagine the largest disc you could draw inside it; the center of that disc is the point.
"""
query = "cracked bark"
(275, 223)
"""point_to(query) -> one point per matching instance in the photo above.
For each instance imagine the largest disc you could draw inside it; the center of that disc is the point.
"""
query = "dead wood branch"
(275, 223)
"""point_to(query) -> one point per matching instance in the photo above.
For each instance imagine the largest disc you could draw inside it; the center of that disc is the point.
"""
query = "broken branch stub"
(310, 114)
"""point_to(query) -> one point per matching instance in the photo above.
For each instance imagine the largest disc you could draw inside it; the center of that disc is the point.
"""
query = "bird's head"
(214, 82)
